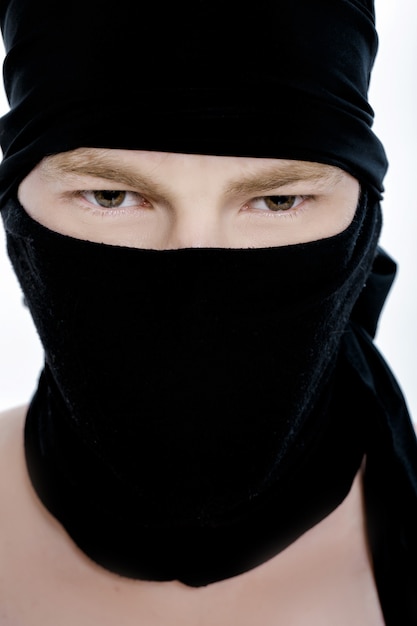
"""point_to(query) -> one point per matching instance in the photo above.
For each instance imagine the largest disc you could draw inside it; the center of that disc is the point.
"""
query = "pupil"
(280, 203)
(109, 198)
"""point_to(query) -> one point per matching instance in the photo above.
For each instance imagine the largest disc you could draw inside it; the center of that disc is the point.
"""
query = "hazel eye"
(277, 203)
(280, 203)
(111, 199)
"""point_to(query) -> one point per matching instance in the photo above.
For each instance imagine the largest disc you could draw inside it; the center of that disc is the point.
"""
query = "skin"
(176, 201)
(180, 201)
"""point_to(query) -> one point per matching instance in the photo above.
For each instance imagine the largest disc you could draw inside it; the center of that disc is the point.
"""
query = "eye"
(277, 203)
(112, 199)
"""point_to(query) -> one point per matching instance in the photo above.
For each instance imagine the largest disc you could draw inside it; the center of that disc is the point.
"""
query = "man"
(192, 209)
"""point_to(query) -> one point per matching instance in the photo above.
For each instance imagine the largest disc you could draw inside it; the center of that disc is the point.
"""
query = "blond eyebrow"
(102, 164)
(90, 162)
(286, 174)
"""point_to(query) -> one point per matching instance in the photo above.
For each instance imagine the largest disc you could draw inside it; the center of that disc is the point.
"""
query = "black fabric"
(283, 79)
(186, 391)
(361, 411)
(390, 487)
(287, 80)
(390, 480)
(266, 524)
(390, 483)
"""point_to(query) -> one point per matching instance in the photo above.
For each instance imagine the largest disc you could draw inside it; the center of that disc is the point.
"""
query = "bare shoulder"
(11, 475)
(20, 529)
(11, 442)
(11, 445)
(13, 412)
(11, 419)
(11, 456)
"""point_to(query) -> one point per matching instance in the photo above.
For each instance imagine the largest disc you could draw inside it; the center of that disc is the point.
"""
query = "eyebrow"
(90, 162)
(87, 162)
(286, 174)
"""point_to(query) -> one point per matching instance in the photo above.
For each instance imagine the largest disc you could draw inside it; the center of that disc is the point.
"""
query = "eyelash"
(143, 203)
(291, 211)
(109, 211)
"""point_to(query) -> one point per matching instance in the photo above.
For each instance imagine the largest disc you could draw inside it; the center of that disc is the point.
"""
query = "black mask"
(186, 392)
(188, 395)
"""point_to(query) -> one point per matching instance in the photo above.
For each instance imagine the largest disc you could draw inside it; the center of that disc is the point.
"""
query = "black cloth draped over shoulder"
(390, 479)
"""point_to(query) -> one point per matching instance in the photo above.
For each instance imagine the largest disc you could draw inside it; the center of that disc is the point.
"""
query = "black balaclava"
(195, 413)
(185, 431)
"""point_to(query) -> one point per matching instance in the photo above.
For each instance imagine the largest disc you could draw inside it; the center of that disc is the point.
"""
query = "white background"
(393, 95)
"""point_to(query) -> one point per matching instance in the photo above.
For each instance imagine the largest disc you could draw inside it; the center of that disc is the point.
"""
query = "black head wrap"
(280, 79)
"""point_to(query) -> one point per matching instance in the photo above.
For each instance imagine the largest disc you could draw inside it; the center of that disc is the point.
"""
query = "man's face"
(161, 200)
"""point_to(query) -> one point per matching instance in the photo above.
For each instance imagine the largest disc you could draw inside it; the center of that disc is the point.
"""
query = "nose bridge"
(197, 223)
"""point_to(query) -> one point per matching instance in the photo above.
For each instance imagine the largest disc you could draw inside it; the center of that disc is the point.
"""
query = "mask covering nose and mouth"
(191, 419)
(184, 391)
